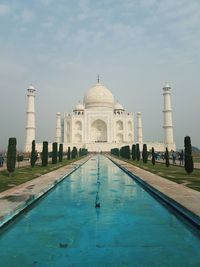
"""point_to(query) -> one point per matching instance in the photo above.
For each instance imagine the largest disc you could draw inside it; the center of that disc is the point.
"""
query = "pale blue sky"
(135, 45)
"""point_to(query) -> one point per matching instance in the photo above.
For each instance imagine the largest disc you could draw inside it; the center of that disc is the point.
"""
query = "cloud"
(46, 2)
(4, 10)
(27, 15)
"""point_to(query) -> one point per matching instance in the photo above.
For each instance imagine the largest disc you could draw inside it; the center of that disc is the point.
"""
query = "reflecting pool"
(128, 228)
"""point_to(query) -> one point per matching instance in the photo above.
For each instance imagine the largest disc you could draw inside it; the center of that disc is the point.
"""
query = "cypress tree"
(153, 160)
(45, 154)
(189, 165)
(121, 152)
(115, 151)
(69, 153)
(80, 152)
(126, 152)
(144, 153)
(11, 155)
(133, 152)
(74, 152)
(60, 153)
(54, 153)
(138, 152)
(167, 157)
(33, 154)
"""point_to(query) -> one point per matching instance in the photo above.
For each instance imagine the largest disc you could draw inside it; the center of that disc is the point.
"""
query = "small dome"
(167, 85)
(118, 106)
(99, 96)
(31, 87)
(79, 106)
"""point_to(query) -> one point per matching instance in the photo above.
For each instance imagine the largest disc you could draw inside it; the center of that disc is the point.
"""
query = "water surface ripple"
(130, 228)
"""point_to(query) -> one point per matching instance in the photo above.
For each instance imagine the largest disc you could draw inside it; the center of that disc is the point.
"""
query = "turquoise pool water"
(130, 228)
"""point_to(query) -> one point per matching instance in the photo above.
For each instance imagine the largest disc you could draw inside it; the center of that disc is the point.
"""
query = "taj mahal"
(100, 123)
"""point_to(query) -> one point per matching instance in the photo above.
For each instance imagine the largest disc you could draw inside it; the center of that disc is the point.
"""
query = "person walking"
(174, 157)
(181, 156)
(1, 160)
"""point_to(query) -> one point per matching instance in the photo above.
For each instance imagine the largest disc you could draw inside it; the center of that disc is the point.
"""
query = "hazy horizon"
(135, 47)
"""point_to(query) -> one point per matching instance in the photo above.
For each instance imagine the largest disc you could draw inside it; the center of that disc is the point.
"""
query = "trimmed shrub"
(11, 155)
(45, 154)
(144, 153)
(115, 151)
(33, 154)
(189, 165)
(74, 152)
(60, 153)
(54, 153)
(69, 153)
(138, 152)
(133, 152)
(125, 152)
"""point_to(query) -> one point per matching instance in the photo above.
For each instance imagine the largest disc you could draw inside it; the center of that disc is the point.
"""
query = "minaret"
(30, 118)
(167, 123)
(58, 128)
(139, 128)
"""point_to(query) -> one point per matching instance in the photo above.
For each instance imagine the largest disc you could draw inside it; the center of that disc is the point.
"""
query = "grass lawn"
(173, 173)
(24, 174)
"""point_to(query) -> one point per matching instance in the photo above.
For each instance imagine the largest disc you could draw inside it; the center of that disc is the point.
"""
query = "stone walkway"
(183, 199)
(16, 199)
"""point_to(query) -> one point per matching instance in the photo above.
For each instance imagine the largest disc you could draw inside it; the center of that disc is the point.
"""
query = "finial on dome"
(98, 78)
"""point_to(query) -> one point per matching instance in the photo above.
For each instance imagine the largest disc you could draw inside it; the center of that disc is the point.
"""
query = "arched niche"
(78, 125)
(99, 131)
(130, 138)
(119, 125)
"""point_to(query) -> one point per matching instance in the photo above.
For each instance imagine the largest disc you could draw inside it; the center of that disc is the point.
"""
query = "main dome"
(99, 96)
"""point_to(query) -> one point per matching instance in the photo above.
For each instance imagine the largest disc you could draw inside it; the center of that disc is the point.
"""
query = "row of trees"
(57, 155)
(135, 154)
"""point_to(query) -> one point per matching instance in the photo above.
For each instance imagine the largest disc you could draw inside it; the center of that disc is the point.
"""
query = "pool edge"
(7, 218)
(185, 212)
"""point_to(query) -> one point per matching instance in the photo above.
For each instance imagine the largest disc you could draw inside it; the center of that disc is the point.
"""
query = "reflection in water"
(65, 229)
(97, 201)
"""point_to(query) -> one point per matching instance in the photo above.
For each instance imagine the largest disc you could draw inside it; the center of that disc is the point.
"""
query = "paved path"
(14, 200)
(182, 198)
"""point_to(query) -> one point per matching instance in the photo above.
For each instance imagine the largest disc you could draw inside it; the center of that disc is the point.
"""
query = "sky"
(60, 46)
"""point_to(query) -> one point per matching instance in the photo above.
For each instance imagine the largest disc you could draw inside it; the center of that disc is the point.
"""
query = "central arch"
(99, 131)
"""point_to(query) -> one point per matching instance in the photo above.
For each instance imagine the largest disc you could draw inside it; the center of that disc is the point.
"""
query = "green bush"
(69, 153)
(144, 154)
(125, 152)
(115, 151)
(189, 165)
(133, 152)
(11, 155)
(138, 152)
(54, 153)
(45, 154)
(33, 154)
(60, 153)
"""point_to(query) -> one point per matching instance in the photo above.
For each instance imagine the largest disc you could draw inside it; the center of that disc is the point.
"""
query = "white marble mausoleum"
(99, 123)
